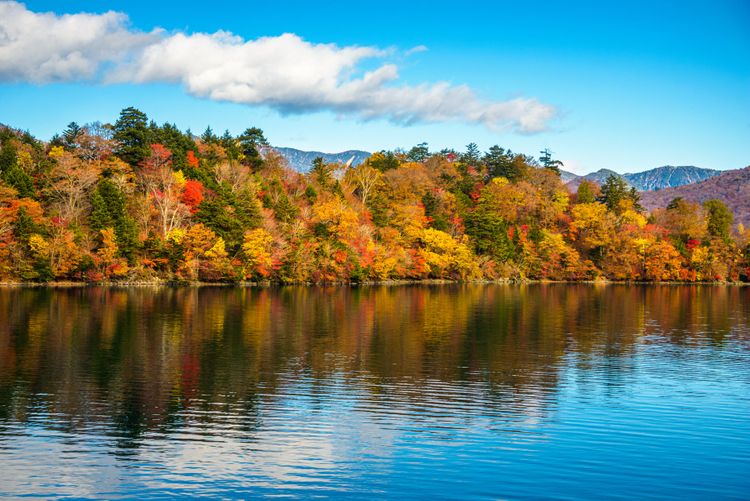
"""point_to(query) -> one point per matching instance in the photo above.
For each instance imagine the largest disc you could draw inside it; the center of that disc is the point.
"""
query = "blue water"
(446, 392)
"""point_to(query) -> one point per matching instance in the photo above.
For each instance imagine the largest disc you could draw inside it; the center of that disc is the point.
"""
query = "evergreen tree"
(250, 143)
(109, 210)
(132, 135)
(548, 162)
(418, 153)
(471, 156)
(501, 163)
(614, 190)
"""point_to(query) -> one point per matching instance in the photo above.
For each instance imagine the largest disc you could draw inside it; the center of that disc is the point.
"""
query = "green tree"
(720, 218)
(548, 162)
(12, 173)
(250, 143)
(472, 155)
(383, 161)
(501, 163)
(586, 193)
(109, 210)
(131, 133)
(418, 153)
(614, 190)
(321, 173)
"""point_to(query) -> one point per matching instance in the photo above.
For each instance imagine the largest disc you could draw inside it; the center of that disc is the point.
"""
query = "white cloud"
(46, 47)
(285, 72)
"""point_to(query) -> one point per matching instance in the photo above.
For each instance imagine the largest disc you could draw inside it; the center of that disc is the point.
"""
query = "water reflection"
(319, 388)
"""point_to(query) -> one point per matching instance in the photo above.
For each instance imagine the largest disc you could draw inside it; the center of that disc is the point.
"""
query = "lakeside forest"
(139, 202)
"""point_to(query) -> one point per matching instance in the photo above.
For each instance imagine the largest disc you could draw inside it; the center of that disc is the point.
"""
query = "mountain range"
(302, 161)
(659, 178)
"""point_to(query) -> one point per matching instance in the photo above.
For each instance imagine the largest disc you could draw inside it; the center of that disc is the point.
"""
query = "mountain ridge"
(658, 178)
(301, 160)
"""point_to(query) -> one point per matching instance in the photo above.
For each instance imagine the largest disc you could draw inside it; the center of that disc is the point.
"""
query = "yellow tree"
(113, 265)
(258, 252)
(592, 226)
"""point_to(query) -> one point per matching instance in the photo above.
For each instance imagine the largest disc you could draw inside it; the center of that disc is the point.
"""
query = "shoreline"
(381, 283)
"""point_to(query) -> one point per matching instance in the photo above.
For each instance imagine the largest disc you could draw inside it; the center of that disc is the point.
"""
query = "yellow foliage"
(179, 179)
(257, 250)
(633, 217)
(592, 224)
(176, 235)
(447, 257)
(39, 246)
(218, 250)
(108, 251)
(340, 219)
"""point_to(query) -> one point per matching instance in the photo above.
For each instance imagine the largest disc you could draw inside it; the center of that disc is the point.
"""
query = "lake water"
(455, 392)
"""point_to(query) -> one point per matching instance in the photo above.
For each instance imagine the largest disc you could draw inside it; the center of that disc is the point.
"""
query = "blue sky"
(631, 86)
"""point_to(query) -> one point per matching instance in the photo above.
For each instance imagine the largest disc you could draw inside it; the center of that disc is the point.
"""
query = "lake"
(445, 391)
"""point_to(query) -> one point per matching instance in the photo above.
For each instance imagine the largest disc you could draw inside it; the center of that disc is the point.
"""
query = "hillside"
(732, 187)
(301, 161)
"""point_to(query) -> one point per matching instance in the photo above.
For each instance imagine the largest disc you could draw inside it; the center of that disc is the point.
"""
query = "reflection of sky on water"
(514, 392)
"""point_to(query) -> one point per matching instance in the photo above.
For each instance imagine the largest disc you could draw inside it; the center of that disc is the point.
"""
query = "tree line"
(138, 201)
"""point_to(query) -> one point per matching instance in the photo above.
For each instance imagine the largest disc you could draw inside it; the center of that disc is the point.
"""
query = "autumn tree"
(69, 183)
(365, 179)
(164, 188)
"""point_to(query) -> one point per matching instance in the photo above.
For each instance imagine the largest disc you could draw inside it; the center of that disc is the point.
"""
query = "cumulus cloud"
(285, 72)
(45, 47)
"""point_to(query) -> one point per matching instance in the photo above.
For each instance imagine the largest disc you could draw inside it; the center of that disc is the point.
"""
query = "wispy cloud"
(416, 50)
(285, 72)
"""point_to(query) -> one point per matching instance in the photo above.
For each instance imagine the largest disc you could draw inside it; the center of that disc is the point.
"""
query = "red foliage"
(192, 194)
(160, 156)
(192, 160)
(692, 243)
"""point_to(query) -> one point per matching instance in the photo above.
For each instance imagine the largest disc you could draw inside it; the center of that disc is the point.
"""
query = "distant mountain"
(597, 177)
(567, 176)
(302, 161)
(732, 187)
(667, 176)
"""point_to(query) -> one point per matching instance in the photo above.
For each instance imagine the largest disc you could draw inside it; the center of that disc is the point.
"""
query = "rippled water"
(482, 391)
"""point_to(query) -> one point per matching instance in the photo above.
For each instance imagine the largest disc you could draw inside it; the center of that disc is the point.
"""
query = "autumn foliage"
(139, 202)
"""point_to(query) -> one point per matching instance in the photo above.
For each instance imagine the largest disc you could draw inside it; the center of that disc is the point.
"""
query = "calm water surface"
(458, 392)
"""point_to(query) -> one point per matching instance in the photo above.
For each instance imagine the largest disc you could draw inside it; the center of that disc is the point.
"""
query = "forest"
(136, 202)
